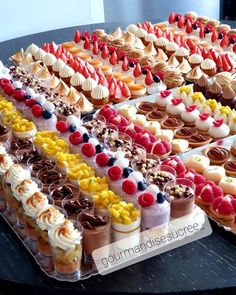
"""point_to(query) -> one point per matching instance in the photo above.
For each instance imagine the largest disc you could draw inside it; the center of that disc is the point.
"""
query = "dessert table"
(207, 266)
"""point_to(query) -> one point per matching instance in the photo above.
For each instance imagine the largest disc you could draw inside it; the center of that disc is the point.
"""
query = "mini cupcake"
(173, 62)
(173, 78)
(49, 59)
(184, 67)
(194, 75)
(181, 53)
(161, 43)
(66, 73)
(100, 95)
(190, 115)
(76, 81)
(57, 66)
(150, 38)
(214, 91)
(208, 66)
(224, 79)
(195, 60)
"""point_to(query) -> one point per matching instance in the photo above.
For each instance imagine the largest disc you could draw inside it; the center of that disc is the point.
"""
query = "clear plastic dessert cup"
(92, 122)
(35, 166)
(121, 140)
(74, 205)
(23, 154)
(105, 133)
(66, 260)
(15, 144)
(149, 162)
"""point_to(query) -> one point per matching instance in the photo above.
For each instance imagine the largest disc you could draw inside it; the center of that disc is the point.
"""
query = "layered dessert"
(60, 192)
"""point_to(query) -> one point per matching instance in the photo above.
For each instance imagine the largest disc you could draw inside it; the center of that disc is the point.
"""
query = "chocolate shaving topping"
(34, 156)
(180, 191)
(47, 164)
(218, 153)
(49, 176)
(160, 178)
(89, 221)
(76, 206)
(17, 143)
(62, 192)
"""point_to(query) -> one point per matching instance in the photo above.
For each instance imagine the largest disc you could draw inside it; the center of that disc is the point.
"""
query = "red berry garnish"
(171, 18)
(75, 138)
(146, 200)
(4, 82)
(8, 89)
(176, 101)
(102, 159)
(86, 43)
(125, 64)
(225, 207)
(37, 110)
(62, 126)
(30, 102)
(181, 22)
(165, 93)
(105, 52)
(77, 37)
(207, 194)
(149, 78)
(218, 123)
(188, 27)
(191, 108)
(129, 187)
(137, 71)
(225, 42)
(113, 60)
(115, 173)
(226, 65)
(204, 116)
(19, 95)
(88, 150)
(159, 149)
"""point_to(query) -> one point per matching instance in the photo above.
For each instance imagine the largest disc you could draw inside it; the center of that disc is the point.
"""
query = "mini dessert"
(232, 124)
(207, 192)
(137, 90)
(134, 152)
(175, 163)
(233, 148)
(210, 106)
(5, 133)
(190, 115)
(87, 86)
(62, 191)
(184, 132)
(138, 119)
(224, 79)
(165, 134)
(228, 185)
(223, 113)
(57, 66)
(194, 61)
(129, 111)
(192, 175)
(198, 99)
(203, 123)
(201, 85)
(163, 99)
(172, 123)
(103, 201)
(181, 194)
(152, 126)
(47, 177)
(173, 78)
(145, 107)
(74, 205)
(198, 163)
(194, 75)
(100, 95)
(223, 208)
(214, 91)
(175, 108)
(184, 67)
(228, 98)
(217, 155)
(208, 66)
(146, 164)
(126, 220)
(156, 116)
(196, 140)
(219, 129)
(161, 177)
(179, 145)
(230, 168)
(214, 173)
(181, 53)
(65, 240)
(155, 210)
(96, 232)
(171, 48)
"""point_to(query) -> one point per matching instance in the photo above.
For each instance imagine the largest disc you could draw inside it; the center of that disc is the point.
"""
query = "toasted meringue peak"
(150, 49)
(118, 33)
(52, 82)
(34, 67)
(129, 38)
(18, 56)
(62, 88)
(173, 61)
(73, 96)
(139, 44)
(32, 49)
(44, 73)
(229, 93)
(84, 104)
(161, 56)
(195, 74)
(184, 67)
(27, 59)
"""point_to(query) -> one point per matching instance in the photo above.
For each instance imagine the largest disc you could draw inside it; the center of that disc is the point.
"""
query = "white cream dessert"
(219, 129)
(150, 38)
(77, 79)
(204, 122)
(39, 54)
(5, 161)
(176, 107)
(66, 72)
(223, 113)
(100, 92)
(197, 162)
(34, 204)
(132, 28)
(89, 84)
(190, 114)
(49, 218)
(24, 189)
(165, 134)
(164, 98)
(128, 111)
(214, 173)
(58, 65)
(49, 59)
(32, 49)
(16, 174)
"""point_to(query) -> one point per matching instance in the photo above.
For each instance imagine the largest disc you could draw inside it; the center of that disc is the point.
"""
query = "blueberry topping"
(220, 36)
(47, 114)
(232, 41)
(131, 64)
(142, 185)
(111, 161)
(86, 137)
(72, 128)
(156, 79)
(127, 171)
(99, 148)
(195, 26)
(144, 72)
(161, 198)
(27, 96)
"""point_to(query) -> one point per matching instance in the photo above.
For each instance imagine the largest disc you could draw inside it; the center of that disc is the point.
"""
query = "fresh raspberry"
(199, 179)
(167, 145)
(4, 82)
(19, 95)
(138, 138)
(149, 147)
(207, 195)
(144, 141)
(75, 138)
(233, 202)
(152, 138)
(199, 188)
(218, 192)
(8, 89)
(102, 159)
(139, 129)
(146, 200)
(124, 121)
(30, 102)
(129, 186)
(88, 150)
(216, 203)
(131, 132)
(37, 110)
(159, 149)
(62, 126)
(225, 208)
(115, 173)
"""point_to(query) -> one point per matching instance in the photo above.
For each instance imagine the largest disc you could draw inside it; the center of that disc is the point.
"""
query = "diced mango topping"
(105, 198)
(125, 213)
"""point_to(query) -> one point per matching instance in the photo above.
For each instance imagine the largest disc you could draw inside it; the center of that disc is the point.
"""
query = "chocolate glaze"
(218, 153)
(89, 221)
(76, 206)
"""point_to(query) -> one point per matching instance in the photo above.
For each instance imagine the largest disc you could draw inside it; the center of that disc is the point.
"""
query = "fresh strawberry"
(95, 48)
(149, 78)
(191, 108)
(176, 101)
(77, 37)
(129, 187)
(115, 173)
(188, 27)
(102, 159)
(85, 72)
(137, 71)
(125, 64)
(146, 200)
(214, 35)
(171, 18)
(204, 116)
(181, 22)
(199, 179)
(165, 93)
(191, 44)
(125, 91)
(225, 42)
(218, 123)
(234, 48)
(226, 66)
(75, 138)
(219, 62)
(113, 60)
(229, 60)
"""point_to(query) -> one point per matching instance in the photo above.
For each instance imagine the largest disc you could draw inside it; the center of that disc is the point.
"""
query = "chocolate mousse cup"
(161, 175)
(146, 164)
(47, 177)
(96, 233)
(74, 206)
(23, 155)
(181, 195)
(15, 144)
(62, 191)
(35, 166)
(5, 133)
